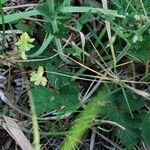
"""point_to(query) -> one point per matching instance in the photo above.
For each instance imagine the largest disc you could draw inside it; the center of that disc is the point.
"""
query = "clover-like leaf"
(146, 129)
(24, 44)
(37, 77)
(65, 100)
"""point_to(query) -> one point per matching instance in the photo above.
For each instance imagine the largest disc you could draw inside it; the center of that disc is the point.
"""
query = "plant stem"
(108, 27)
(147, 68)
(134, 74)
(35, 123)
(3, 25)
(51, 4)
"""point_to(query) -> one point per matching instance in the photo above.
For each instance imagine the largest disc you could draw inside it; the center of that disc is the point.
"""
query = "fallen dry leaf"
(13, 129)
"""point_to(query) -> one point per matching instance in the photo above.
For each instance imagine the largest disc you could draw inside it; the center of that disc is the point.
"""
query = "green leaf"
(3, 1)
(48, 10)
(118, 103)
(76, 9)
(58, 5)
(136, 102)
(128, 137)
(83, 20)
(44, 10)
(64, 100)
(121, 33)
(55, 77)
(69, 97)
(121, 5)
(132, 133)
(142, 49)
(20, 15)
(1, 51)
(62, 30)
(146, 5)
(25, 27)
(146, 129)
(75, 51)
(44, 45)
(117, 110)
(42, 101)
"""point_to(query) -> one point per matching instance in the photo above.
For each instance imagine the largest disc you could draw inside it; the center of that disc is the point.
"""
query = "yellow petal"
(23, 55)
(40, 71)
(43, 81)
(37, 77)
(25, 36)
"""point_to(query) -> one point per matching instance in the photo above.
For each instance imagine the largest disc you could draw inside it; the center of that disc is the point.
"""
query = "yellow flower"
(24, 44)
(37, 77)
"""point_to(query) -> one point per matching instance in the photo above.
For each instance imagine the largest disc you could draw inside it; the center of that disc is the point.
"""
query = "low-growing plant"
(71, 51)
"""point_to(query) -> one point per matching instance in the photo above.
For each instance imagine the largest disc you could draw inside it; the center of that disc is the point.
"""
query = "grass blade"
(20, 15)
(75, 9)
(43, 46)
(70, 9)
(3, 24)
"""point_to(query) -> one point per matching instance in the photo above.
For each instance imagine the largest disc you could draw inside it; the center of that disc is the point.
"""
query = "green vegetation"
(85, 64)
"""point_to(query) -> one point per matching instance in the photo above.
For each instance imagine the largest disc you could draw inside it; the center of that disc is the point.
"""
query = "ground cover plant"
(75, 74)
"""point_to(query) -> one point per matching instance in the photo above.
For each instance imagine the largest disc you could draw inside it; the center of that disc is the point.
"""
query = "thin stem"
(58, 43)
(147, 68)
(3, 25)
(108, 27)
(20, 6)
(134, 74)
(145, 13)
